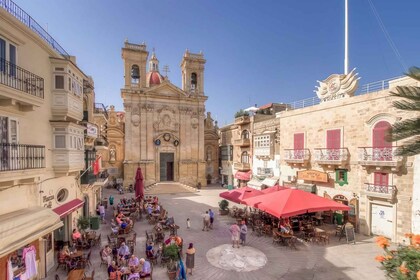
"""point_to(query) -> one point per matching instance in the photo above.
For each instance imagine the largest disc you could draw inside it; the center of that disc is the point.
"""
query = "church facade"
(164, 124)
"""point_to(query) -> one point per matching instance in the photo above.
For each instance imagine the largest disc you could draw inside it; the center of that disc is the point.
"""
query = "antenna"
(166, 70)
(346, 37)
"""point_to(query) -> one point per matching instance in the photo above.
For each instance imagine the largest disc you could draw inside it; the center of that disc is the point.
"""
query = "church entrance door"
(166, 167)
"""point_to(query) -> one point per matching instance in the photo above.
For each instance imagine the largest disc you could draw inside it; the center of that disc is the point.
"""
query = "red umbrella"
(292, 202)
(139, 185)
(238, 195)
(274, 189)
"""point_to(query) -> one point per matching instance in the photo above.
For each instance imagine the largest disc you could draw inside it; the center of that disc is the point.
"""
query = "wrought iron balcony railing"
(101, 109)
(381, 189)
(385, 156)
(331, 156)
(27, 20)
(242, 142)
(21, 157)
(21, 79)
(298, 156)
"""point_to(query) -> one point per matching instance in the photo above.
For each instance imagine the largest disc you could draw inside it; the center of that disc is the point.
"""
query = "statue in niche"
(112, 155)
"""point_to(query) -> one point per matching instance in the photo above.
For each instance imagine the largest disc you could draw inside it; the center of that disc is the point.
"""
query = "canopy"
(21, 227)
(274, 189)
(255, 183)
(68, 207)
(245, 176)
(139, 185)
(238, 195)
(291, 202)
(272, 181)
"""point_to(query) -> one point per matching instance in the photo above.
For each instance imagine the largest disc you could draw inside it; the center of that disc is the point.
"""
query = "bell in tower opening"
(193, 81)
(135, 74)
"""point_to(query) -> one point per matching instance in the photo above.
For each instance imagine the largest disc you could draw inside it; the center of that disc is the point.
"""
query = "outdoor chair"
(61, 262)
(91, 276)
(276, 238)
(57, 277)
(97, 240)
(86, 259)
(292, 243)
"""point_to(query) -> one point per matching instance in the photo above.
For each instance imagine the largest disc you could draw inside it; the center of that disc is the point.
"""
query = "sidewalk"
(336, 260)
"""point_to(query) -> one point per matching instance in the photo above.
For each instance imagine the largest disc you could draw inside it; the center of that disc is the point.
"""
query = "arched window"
(135, 74)
(193, 80)
(245, 157)
(245, 134)
(382, 149)
(379, 134)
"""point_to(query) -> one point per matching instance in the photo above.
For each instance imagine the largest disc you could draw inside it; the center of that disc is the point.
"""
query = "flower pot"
(172, 275)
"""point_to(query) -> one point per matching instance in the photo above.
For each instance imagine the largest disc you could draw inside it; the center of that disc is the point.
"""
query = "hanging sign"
(313, 175)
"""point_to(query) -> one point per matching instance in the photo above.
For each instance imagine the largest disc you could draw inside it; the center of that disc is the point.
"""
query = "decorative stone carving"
(166, 122)
(148, 107)
(194, 123)
(184, 110)
(135, 116)
(337, 86)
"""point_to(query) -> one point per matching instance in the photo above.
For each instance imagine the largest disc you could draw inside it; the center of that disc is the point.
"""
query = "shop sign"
(313, 175)
(91, 130)
(47, 200)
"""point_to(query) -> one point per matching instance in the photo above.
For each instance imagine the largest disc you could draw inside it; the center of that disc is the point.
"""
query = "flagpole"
(346, 37)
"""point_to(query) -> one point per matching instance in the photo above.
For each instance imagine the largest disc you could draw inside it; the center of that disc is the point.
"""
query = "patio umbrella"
(292, 202)
(139, 185)
(238, 195)
(274, 189)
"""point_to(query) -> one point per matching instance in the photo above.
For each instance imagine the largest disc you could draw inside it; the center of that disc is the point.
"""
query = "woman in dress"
(190, 258)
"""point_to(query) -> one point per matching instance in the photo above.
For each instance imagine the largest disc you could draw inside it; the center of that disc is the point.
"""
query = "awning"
(270, 182)
(255, 183)
(68, 207)
(22, 227)
(245, 176)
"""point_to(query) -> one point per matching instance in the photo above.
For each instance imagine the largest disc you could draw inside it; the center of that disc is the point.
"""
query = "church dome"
(154, 78)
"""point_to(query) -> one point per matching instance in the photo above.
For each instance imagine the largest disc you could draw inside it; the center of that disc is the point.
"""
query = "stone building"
(164, 128)
(211, 139)
(339, 147)
(43, 131)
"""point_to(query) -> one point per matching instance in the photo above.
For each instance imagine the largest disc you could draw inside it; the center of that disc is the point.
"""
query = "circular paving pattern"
(238, 259)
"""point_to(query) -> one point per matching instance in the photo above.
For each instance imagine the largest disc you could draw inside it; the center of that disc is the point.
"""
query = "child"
(188, 223)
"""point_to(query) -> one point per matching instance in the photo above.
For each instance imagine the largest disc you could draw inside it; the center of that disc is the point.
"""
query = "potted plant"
(83, 223)
(172, 252)
(223, 207)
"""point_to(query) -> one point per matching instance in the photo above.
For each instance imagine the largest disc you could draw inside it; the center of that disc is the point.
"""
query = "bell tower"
(192, 68)
(135, 60)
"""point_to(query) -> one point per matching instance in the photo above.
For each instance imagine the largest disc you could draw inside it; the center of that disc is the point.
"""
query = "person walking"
(189, 262)
(234, 230)
(211, 214)
(244, 231)
(206, 221)
(188, 223)
(101, 209)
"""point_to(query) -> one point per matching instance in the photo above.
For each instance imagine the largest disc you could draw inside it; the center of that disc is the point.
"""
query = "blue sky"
(257, 51)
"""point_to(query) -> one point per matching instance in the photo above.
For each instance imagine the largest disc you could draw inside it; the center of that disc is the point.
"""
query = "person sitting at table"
(133, 262)
(123, 253)
(155, 200)
(107, 254)
(146, 268)
(76, 235)
(64, 253)
(149, 209)
(112, 269)
(150, 251)
(133, 275)
(157, 208)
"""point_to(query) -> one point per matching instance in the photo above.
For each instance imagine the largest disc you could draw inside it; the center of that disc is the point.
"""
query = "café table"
(284, 237)
(75, 255)
(76, 274)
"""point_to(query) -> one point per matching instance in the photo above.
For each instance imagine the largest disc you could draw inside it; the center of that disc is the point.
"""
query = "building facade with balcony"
(42, 140)
(339, 147)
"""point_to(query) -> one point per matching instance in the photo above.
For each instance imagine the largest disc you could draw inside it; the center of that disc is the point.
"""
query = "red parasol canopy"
(291, 202)
(238, 195)
(139, 185)
(274, 189)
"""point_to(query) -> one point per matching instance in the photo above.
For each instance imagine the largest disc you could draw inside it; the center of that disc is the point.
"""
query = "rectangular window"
(380, 179)
(2, 55)
(69, 84)
(60, 141)
(334, 139)
(12, 58)
(59, 82)
(13, 124)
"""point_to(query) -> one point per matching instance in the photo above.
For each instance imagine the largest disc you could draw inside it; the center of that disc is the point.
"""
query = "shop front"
(26, 240)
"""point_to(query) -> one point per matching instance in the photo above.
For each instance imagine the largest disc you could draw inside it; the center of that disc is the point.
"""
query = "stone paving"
(336, 260)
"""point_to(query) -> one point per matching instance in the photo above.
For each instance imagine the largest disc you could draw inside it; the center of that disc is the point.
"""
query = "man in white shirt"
(206, 221)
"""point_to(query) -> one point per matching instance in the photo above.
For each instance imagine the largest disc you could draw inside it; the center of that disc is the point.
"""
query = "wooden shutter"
(334, 139)
(298, 141)
(380, 179)
(380, 131)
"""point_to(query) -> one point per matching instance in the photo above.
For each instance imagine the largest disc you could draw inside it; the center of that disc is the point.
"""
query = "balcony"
(294, 157)
(240, 166)
(242, 120)
(331, 157)
(379, 157)
(67, 105)
(242, 142)
(21, 157)
(68, 160)
(381, 191)
(21, 86)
